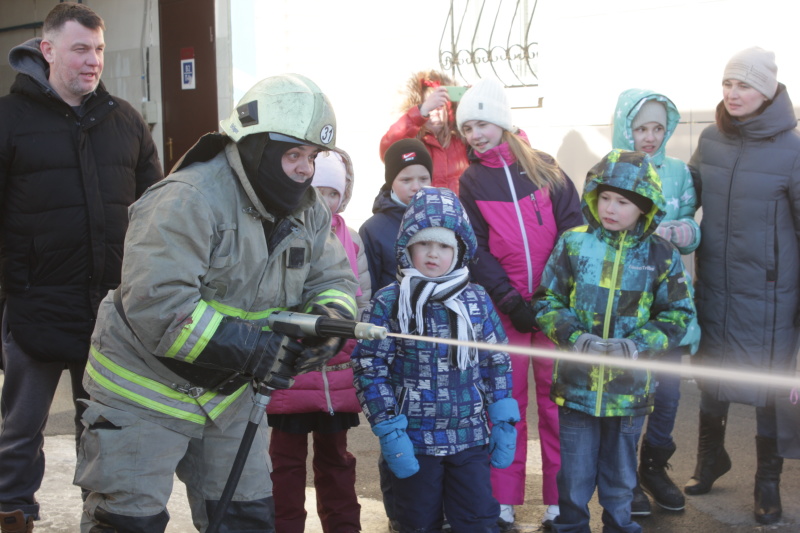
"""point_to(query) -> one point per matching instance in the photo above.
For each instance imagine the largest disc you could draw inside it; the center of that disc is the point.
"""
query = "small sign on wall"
(187, 68)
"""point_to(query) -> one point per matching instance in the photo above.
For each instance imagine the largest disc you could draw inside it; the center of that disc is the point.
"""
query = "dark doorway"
(188, 74)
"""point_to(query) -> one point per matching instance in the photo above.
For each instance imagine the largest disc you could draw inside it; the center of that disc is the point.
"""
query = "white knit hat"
(329, 171)
(486, 100)
(755, 67)
(651, 111)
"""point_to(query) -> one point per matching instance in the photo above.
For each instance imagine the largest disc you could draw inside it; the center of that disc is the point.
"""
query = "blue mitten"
(396, 447)
(503, 439)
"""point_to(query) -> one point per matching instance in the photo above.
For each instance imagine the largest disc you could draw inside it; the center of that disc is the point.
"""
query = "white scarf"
(415, 292)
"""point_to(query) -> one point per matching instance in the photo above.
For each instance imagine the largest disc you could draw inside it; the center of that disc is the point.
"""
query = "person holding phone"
(429, 115)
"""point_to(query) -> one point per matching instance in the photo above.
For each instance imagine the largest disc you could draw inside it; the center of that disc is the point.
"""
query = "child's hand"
(678, 232)
(502, 445)
(588, 343)
(503, 438)
(592, 344)
(436, 98)
(523, 318)
(396, 446)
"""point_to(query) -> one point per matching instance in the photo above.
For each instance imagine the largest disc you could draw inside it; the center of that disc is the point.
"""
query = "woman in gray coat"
(748, 290)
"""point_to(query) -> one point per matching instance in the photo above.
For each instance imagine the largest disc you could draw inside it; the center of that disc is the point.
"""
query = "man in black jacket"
(72, 159)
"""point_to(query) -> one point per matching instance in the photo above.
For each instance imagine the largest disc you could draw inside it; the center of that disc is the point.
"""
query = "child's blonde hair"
(540, 168)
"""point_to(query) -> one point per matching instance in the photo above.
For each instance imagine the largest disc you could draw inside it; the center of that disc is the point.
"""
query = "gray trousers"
(128, 465)
(27, 394)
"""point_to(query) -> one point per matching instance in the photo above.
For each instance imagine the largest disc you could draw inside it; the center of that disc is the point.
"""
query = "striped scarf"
(417, 290)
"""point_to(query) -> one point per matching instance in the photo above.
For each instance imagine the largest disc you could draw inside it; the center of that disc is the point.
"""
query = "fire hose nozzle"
(305, 325)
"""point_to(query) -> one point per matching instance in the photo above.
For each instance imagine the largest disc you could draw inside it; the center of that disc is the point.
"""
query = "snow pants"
(509, 483)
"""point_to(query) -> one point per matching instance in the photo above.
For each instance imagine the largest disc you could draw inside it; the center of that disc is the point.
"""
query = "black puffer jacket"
(65, 186)
(748, 282)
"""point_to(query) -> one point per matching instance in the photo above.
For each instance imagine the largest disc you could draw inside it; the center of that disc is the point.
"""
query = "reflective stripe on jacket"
(196, 251)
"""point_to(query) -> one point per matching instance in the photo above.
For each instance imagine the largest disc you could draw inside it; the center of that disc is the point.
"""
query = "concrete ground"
(728, 508)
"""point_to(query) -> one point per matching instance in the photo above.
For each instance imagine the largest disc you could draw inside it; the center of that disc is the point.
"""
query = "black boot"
(712, 459)
(655, 480)
(767, 492)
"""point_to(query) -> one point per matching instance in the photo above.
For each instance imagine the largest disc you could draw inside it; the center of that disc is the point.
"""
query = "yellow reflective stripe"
(187, 330)
(207, 399)
(158, 388)
(208, 332)
(241, 313)
(337, 297)
(214, 413)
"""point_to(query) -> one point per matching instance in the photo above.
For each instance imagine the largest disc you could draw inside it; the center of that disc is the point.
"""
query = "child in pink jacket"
(321, 403)
(519, 202)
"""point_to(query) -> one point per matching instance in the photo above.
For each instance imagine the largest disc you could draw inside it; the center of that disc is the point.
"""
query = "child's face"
(482, 135)
(432, 259)
(648, 137)
(617, 213)
(331, 197)
(409, 181)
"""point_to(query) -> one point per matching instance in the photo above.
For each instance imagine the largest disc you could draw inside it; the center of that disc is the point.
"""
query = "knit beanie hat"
(402, 154)
(643, 203)
(755, 67)
(329, 171)
(651, 111)
(486, 100)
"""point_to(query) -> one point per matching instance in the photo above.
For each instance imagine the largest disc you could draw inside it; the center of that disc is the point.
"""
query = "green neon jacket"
(615, 284)
(195, 252)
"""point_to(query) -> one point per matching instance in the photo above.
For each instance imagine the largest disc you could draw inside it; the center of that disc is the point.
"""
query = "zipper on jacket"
(521, 223)
(327, 388)
(536, 209)
(607, 320)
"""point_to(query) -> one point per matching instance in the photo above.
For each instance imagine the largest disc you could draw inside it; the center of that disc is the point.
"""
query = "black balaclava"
(261, 159)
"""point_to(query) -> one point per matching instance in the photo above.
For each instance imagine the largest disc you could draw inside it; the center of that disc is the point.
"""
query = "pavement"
(726, 509)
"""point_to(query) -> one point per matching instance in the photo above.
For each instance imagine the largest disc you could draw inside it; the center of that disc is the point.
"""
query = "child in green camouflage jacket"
(611, 288)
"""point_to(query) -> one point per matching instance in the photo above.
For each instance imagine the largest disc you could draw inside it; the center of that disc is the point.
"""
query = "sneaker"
(550, 514)
(640, 506)
(506, 519)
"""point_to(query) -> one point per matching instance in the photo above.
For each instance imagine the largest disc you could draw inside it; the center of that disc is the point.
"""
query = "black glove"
(523, 318)
(242, 348)
(278, 372)
(320, 350)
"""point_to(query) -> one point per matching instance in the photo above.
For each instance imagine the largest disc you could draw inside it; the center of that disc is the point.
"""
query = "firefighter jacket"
(196, 252)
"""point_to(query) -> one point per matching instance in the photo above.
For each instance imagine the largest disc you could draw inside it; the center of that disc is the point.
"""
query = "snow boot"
(712, 459)
(767, 493)
(654, 479)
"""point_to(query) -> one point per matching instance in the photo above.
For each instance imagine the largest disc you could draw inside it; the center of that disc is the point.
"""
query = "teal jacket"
(680, 198)
(628, 284)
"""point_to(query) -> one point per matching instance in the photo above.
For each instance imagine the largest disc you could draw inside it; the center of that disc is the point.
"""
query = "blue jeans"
(661, 421)
(597, 452)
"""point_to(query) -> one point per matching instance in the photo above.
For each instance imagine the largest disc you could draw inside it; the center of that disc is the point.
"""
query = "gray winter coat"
(748, 269)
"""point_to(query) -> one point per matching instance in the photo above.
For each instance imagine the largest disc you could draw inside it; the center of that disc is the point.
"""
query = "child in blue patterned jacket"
(614, 290)
(430, 404)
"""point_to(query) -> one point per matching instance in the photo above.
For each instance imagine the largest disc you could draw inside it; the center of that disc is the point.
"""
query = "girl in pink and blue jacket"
(519, 202)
